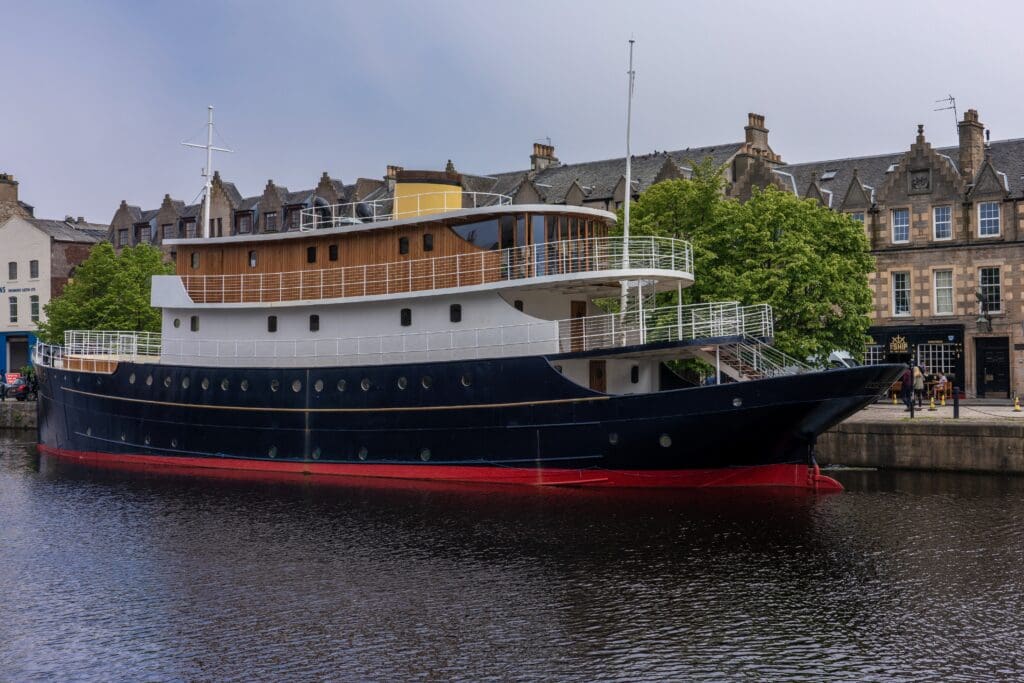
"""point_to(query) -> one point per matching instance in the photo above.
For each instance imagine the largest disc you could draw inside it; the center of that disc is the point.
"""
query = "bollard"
(894, 398)
(943, 402)
(911, 407)
(956, 402)
(931, 403)
(1016, 404)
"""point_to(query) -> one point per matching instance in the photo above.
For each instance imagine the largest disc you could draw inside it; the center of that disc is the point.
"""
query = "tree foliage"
(809, 263)
(109, 291)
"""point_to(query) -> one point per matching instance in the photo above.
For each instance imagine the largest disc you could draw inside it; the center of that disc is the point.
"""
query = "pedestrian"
(907, 389)
(940, 387)
(918, 385)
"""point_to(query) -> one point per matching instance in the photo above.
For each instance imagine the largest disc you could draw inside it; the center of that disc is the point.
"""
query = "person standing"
(918, 385)
(907, 389)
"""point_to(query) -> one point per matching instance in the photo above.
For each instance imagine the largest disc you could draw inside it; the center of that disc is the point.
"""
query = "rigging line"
(222, 139)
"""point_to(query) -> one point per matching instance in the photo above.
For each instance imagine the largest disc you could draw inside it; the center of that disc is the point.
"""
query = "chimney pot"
(972, 145)
(81, 219)
(543, 156)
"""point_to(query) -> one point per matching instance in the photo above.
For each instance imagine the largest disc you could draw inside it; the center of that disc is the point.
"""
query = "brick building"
(39, 256)
(945, 226)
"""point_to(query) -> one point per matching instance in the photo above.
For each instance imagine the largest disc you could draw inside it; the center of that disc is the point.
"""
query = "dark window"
(406, 317)
(634, 374)
(195, 260)
(314, 323)
(33, 269)
(271, 323)
(220, 227)
(403, 245)
(193, 323)
(483, 234)
(270, 221)
(12, 270)
(332, 252)
(122, 237)
(190, 229)
(508, 235)
(310, 254)
(169, 231)
(455, 313)
(252, 258)
(518, 303)
(243, 223)
(428, 242)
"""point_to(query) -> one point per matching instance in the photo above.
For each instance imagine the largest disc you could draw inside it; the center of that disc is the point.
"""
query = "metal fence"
(545, 259)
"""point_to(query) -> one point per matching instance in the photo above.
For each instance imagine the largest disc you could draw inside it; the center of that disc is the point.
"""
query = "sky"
(100, 94)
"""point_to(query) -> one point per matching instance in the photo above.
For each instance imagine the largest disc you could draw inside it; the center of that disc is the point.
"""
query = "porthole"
(205, 384)
(174, 443)
(275, 385)
(225, 384)
(167, 382)
(665, 440)
(425, 454)
(342, 384)
(737, 402)
(88, 431)
(363, 453)
(272, 452)
(244, 385)
(186, 382)
(427, 382)
(466, 380)
(316, 453)
(78, 380)
(402, 383)
(149, 380)
(365, 384)
(177, 323)
(122, 436)
(613, 438)
(131, 378)
(297, 386)
(318, 386)
(145, 439)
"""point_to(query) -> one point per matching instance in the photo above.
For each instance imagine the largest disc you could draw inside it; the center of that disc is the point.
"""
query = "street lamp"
(984, 321)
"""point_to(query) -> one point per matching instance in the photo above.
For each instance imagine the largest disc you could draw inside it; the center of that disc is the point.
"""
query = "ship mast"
(208, 170)
(624, 298)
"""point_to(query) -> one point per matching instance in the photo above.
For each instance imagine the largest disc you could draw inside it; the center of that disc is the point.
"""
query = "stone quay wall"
(17, 414)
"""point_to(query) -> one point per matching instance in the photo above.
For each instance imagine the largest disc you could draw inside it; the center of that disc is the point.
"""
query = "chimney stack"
(756, 133)
(543, 157)
(390, 175)
(8, 189)
(972, 145)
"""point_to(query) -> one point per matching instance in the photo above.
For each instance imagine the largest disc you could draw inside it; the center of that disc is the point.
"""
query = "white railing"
(761, 360)
(389, 209)
(460, 270)
(98, 351)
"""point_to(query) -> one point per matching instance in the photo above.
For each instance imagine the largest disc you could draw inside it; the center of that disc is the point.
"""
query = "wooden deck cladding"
(430, 255)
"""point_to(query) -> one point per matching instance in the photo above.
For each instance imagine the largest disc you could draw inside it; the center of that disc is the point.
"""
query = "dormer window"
(243, 223)
(190, 228)
(988, 219)
(291, 219)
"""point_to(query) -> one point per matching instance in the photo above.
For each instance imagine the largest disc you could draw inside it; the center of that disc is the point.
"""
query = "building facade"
(39, 257)
(946, 227)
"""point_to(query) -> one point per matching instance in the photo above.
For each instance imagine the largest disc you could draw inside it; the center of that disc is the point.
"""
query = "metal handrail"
(605, 331)
(544, 259)
(375, 211)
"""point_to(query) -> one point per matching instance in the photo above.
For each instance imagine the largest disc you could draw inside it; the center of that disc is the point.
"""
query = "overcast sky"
(100, 94)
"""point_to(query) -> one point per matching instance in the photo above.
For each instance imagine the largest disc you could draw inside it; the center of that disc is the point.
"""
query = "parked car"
(21, 390)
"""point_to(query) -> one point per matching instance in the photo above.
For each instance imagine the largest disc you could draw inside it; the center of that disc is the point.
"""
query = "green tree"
(109, 291)
(809, 263)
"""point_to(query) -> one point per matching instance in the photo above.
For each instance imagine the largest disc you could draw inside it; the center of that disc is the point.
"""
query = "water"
(121, 576)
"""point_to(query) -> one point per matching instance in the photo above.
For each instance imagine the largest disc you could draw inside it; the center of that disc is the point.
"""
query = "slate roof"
(64, 231)
(1007, 156)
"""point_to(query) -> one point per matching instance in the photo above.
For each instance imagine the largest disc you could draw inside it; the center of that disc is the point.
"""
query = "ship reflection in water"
(127, 576)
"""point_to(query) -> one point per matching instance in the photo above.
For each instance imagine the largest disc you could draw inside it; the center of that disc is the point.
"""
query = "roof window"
(828, 175)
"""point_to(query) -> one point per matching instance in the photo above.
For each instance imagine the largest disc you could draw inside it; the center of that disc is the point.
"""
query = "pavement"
(971, 410)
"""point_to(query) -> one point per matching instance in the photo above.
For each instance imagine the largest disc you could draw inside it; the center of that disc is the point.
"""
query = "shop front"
(939, 349)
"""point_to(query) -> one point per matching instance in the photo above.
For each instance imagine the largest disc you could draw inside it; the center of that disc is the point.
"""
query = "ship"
(446, 335)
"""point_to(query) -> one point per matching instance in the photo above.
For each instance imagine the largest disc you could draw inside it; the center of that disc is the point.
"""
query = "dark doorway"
(598, 378)
(992, 364)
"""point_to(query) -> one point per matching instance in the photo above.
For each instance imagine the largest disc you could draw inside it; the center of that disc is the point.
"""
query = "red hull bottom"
(781, 475)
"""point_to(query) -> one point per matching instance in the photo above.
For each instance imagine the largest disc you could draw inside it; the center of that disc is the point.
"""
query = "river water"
(125, 576)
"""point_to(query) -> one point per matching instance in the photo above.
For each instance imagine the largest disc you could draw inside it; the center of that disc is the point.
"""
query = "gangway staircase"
(750, 358)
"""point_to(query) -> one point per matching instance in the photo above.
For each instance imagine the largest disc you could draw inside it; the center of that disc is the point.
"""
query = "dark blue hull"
(511, 413)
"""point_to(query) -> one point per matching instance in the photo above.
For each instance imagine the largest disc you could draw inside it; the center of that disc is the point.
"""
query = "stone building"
(39, 256)
(946, 226)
